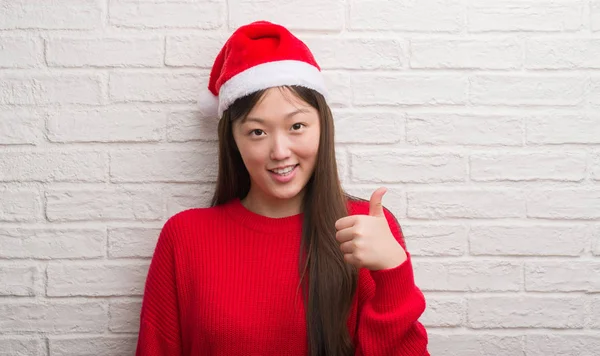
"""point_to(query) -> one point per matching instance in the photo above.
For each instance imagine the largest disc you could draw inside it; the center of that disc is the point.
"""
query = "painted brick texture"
(480, 117)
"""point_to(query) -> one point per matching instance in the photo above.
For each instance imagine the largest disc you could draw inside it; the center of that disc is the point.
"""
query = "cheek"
(252, 157)
(310, 146)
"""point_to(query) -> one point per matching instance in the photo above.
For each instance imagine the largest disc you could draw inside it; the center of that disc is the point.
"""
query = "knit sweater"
(224, 281)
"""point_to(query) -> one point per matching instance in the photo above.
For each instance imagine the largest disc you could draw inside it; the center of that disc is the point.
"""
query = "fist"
(367, 241)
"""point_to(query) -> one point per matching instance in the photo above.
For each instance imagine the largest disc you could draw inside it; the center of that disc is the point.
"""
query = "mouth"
(284, 171)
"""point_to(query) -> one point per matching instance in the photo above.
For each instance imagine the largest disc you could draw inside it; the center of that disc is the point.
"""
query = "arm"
(390, 305)
(159, 321)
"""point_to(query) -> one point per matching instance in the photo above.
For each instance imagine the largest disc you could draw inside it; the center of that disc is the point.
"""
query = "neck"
(273, 207)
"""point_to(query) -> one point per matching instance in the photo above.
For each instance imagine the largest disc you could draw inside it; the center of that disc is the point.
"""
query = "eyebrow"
(287, 116)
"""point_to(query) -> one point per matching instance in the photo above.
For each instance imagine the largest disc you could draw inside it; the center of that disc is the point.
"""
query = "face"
(278, 141)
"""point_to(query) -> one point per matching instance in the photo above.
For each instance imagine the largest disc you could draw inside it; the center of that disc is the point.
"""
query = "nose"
(280, 149)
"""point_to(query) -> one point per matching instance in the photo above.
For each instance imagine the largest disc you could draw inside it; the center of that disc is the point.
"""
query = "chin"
(285, 192)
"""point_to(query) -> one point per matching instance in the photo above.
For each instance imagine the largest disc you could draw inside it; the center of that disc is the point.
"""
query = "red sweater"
(223, 281)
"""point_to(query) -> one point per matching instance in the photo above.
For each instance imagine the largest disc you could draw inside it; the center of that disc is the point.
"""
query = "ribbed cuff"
(394, 285)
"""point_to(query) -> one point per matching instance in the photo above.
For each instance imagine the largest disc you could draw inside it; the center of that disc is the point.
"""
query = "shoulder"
(193, 215)
(189, 220)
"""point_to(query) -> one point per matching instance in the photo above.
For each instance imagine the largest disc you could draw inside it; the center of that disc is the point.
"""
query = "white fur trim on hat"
(267, 75)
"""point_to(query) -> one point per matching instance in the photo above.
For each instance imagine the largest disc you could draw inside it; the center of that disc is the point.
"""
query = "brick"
(471, 344)
(188, 125)
(593, 312)
(463, 129)
(529, 240)
(583, 127)
(465, 54)
(465, 203)
(339, 88)
(562, 54)
(164, 166)
(357, 53)
(21, 126)
(20, 205)
(595, 166)
(132, 242)
(564, 204)
(184, 196)
(96, 279)
(107, 124)
(558, 276)
(443, 312)
(528, 15)
(21, 52)
(124, 316)
(394, 200)
(49, 166)
(572, 344)
(63, 15)
(525, 312)
(405, 15)
(408, 89)
(514, 89)
(204, 15)
(156, 1)
(368, 127)
(53, 317)
(312, 15)
(22, 346)
(103, 204)
(52, 243)
(342, 160)
(393, 167)
(193, 50)
(165, 87)
(528, 166)
(435, 240)
(595, 90)
(105, 52)
(44, 89)
(472, 276)
(596, 240)
(92, 345)
(18, 280)
(595, 15)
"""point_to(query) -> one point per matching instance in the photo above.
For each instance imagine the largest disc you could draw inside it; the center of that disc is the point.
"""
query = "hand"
(367, 241)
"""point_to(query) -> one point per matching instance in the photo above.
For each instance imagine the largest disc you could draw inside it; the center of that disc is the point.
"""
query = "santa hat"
(258, 56)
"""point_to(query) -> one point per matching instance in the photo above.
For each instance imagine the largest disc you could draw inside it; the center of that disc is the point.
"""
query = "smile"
(284, 171)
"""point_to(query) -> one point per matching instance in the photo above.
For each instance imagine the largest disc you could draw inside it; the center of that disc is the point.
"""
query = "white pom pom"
(208, 104)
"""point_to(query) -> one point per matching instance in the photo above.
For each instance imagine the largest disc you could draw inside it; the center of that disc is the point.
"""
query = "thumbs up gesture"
(367, 241)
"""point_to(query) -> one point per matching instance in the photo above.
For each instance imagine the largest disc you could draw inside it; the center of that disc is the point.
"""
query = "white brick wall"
(480, 117)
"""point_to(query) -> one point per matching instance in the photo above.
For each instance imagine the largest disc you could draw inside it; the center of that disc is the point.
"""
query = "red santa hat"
(258, 56)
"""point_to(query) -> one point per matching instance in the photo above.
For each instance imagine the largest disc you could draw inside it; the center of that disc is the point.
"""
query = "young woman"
(284, 262)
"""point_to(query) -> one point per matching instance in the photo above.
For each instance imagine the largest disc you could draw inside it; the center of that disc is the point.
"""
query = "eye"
(297, 126)
(256, 132)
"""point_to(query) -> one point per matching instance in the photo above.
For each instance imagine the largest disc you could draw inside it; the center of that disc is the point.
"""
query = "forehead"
(277, 104)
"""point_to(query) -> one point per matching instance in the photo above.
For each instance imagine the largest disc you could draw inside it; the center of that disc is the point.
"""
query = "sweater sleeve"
(390, 305)
(159, 333)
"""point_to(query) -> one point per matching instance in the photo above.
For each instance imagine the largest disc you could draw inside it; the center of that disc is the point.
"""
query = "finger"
(345, 235)
(375, 205)
(345, 222)
(348, 247)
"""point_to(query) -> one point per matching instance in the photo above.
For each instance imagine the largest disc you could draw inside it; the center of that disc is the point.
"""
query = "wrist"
(395, 259)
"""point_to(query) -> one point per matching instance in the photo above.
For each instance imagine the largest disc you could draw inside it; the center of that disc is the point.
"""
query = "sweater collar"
(262, 223)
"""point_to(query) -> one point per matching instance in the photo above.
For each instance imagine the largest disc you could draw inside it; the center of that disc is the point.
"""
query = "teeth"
(284, 170)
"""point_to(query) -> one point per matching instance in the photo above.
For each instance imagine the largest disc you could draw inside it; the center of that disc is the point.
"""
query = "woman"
(284, 262)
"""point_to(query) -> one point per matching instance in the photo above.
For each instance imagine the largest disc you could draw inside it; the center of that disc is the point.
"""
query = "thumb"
(375, 206)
